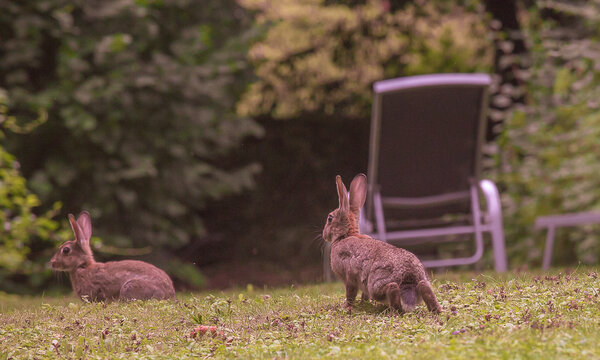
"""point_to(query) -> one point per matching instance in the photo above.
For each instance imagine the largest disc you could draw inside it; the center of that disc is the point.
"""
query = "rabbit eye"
(329, 218)
(66, 250)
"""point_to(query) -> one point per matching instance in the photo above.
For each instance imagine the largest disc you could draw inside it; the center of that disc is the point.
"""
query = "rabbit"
(113, 280)
(382, 272)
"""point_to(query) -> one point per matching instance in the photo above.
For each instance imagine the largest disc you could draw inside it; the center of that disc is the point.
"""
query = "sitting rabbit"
(114, 280)
(381, 271)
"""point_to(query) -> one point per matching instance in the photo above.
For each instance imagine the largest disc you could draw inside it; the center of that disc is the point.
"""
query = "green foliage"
(139, 97)
(20, 227)
(485, 316)
(187, 271)
(549, 147)
(323, 58)
(316, 64)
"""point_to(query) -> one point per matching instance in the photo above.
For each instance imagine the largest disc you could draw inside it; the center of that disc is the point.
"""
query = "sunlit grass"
(524, 315)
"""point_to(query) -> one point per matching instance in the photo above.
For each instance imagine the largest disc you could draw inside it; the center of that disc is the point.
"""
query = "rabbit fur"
(382, 272)
(113, 280)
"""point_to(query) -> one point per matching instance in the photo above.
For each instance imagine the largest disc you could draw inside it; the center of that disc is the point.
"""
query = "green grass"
(524, 315)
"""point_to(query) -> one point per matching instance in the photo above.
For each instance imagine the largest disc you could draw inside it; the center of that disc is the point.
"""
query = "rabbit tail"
(409, 296)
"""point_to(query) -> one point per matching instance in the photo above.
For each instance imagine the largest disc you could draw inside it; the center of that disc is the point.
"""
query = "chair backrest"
(427, 134)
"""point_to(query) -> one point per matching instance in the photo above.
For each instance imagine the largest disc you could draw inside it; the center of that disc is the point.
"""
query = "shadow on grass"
(372, 307)
(379, 309)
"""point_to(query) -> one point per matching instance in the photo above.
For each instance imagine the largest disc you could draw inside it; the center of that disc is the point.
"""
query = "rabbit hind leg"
(424, 290)
(393, 296)
(138, 289)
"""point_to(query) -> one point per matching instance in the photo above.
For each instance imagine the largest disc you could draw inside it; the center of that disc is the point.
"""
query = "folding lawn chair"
(552, 222)
(427, 134)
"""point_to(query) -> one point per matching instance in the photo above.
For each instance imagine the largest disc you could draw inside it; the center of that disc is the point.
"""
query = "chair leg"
(548, 248)
(492, 199)
(477, 232)
(364, 225)
(379, 216)
(476, 211)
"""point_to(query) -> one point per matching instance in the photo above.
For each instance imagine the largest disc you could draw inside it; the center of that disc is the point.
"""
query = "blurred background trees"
(140, 98)
(323, 57)
(22, 232)
(315, 67)
(208, 133)
(549, 161)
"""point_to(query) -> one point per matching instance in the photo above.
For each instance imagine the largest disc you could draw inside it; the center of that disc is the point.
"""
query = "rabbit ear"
(84, 243)
(85, 225)
(75, 227)
(358, 193)
(342, 193)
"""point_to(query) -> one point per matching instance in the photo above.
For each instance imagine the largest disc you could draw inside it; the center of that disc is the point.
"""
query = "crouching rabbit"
(381, 271)
(113, 280)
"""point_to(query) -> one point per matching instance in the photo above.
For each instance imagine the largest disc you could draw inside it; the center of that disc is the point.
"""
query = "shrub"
(549, 147)
(323, 58)
(139, 97)
(20, 228)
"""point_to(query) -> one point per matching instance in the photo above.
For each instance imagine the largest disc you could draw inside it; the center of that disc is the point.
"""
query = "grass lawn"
(525, 315)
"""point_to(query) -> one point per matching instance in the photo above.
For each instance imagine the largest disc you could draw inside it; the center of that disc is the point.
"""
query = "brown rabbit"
(114, 280)
(381, 271)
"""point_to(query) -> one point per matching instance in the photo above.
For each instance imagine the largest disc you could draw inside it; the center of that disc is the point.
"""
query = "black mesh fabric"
(427, 145)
